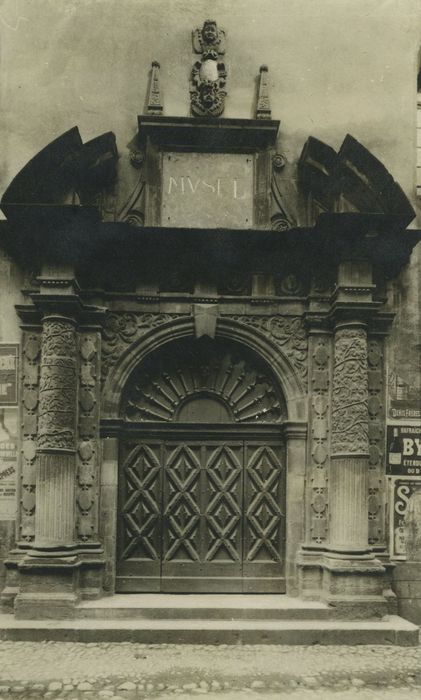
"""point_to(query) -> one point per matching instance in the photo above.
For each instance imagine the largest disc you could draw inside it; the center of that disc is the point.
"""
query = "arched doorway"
(202, 472)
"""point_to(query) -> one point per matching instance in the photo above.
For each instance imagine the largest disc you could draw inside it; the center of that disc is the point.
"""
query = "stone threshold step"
(392, 630)
(156, 606)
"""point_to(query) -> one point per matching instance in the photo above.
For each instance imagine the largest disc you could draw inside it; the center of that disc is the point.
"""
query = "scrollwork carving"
(350, 392)
(287, 332)
(122, 329)
(58, 383)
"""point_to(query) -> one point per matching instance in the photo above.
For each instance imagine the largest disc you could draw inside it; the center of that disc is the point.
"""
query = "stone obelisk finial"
(263, 110)
(154, 103)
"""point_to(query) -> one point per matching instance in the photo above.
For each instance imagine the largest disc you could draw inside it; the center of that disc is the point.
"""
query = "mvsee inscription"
(221, 187)
(207, 190)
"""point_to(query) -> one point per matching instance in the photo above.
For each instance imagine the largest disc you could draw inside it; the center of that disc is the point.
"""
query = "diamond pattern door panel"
(201, 515)
(139, 528)
(181, 536)
(223, 495)
(264, 517)
(202, 548)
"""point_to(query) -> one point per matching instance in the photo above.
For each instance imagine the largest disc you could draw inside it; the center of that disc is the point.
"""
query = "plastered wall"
(336, 66)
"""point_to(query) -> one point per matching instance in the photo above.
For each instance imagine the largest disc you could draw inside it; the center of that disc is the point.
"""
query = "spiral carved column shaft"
(54, 520)
(348, 482)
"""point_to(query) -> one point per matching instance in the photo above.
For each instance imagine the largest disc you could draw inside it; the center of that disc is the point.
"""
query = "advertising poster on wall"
(401, 492)
(8, 463)
(9, 354)
(404, 397)
(403, 452)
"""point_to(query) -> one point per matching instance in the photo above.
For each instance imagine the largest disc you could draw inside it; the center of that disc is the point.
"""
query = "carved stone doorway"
(202, 474)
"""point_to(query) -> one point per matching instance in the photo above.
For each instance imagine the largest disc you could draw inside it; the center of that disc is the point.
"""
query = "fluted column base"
(54, 525)
(348, 504)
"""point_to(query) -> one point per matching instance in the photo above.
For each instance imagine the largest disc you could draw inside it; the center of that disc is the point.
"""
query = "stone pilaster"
(376, 433)
(318, 459)
(296, 439)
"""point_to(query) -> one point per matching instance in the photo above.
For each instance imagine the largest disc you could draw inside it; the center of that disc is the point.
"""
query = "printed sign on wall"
(8, 463)
(404, 450)
(405, 396)
(9, 354)
(402, 490)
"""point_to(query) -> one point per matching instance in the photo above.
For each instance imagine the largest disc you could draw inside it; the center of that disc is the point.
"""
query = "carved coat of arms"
(208, 77)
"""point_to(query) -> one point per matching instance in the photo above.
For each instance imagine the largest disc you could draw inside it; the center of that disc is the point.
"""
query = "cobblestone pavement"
(135, 671)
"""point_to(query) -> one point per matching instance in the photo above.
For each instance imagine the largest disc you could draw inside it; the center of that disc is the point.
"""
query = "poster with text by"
(403, 450)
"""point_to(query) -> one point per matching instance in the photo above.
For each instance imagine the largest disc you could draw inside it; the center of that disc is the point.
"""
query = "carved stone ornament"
(317, 521)
(208, 77)
(350, 392)
(31, 355)
(123, 329)
(57, 389)
(278, 161)
(209, 37)
(287, 332)
(87, 454)
(154, 105)
(161, 386)
(376, 421)
(263, 110)
(283, 216)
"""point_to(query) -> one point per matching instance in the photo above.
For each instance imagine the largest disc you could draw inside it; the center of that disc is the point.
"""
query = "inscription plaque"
(207, 190)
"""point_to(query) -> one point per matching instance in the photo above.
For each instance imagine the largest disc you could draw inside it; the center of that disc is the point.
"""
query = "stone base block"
(11, 587)
(91, 578)
(355, 587)
(48, 588)
(310, 575)
(37, 606)
(407, 586)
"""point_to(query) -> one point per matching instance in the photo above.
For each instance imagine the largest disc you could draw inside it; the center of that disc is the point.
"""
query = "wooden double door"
(201, 514)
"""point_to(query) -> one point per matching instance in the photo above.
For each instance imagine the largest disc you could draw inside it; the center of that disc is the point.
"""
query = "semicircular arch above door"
(203, 381)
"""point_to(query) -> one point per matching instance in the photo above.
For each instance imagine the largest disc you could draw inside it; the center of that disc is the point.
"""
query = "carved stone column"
(55, 482)
(353, 579)
(349, 447)
(49, 574)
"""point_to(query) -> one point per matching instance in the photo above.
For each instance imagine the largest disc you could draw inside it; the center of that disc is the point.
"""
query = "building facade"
(210, 337)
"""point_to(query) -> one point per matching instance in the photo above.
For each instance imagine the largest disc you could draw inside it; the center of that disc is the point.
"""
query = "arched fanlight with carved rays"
(164, 386)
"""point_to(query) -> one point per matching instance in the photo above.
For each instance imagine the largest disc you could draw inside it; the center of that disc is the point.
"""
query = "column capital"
(350, 322)
(66, 306)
